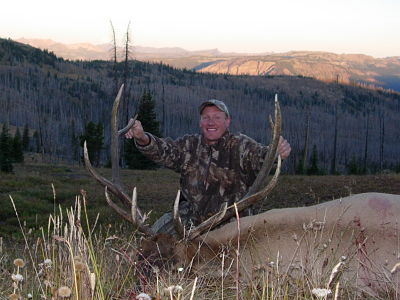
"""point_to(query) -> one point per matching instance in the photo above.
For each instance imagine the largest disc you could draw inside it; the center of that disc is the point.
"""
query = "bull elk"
(359, 233)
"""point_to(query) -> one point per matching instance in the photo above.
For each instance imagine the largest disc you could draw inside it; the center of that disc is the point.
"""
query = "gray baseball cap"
(214, 102)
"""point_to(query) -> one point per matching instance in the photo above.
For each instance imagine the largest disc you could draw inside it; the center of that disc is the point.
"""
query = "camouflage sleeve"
(164, 151)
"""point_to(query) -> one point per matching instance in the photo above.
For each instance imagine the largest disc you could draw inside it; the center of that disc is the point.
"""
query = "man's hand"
(284, 148)
(137, 132)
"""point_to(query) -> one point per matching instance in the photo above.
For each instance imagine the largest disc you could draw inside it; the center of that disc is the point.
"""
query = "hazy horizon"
(257, 26)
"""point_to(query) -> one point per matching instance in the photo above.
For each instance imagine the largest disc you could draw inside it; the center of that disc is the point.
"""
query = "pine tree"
(147, 116)
(36, 142)
(25, 138)
(94, 138)
(300, 167)
(353, 167)
(313, 169)
(17, 153)
(5, 150)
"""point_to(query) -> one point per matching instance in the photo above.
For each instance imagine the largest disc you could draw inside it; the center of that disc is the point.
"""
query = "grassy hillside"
(31, 187)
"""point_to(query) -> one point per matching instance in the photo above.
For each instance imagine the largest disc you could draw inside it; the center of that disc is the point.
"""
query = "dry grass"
(98, 260)
(68, 262)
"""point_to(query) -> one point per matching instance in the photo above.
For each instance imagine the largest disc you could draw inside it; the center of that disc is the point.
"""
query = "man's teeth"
(211, 129)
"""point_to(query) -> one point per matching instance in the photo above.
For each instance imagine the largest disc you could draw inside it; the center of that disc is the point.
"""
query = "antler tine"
(115, 186)
(114, 144)
(110, 186)
(180, 229)
(210, 222)
(127, 127)
(130, 218)
(194, 233)
(256, 191)
(119, 210)
(139, 223)
(103, 181)
(114, 139)
(271, 154)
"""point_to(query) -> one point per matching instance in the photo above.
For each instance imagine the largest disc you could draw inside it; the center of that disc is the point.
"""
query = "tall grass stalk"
(237, 252)
(97, 270)
(26, 244)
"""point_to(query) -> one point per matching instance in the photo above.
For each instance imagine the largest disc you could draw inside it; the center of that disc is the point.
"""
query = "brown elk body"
(359, 233)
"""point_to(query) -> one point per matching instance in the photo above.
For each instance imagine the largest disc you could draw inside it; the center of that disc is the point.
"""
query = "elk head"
(161, 247)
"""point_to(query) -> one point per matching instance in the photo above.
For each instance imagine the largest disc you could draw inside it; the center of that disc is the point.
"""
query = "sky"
(369, 27)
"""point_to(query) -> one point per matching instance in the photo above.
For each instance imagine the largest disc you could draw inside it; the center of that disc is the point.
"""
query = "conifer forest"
(332, 128)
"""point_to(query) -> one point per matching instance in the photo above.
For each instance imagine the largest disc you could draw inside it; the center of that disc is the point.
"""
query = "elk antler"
(116, 186)
(258, 191)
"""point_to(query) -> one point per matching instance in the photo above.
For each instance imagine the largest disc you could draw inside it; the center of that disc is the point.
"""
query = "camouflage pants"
(165, 224)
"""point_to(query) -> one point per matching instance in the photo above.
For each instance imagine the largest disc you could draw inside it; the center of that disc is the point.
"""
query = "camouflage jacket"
(210, 174)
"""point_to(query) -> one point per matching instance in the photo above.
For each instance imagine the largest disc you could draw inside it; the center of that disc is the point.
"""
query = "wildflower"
(17, 277)
(92, 281)
(169, 289)
(30, 296)
(178, 289)
(79, 266)
(395, 267)
(47, 283)
(48, 262)
(180, 269)
(321, 293)
(335, 273)
(64, 292)
(174, 289)
(13, 296)
(19, 262)
(143, 296)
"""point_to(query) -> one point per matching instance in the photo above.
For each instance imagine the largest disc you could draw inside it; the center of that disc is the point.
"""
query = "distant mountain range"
(343, 68)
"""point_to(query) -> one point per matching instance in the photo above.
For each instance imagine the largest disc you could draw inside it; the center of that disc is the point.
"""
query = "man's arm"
(162, 151)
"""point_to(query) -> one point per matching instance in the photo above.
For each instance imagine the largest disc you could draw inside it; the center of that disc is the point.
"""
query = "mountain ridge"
(325, 66)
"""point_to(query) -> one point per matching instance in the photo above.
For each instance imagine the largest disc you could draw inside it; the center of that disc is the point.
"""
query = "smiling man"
(216, 166)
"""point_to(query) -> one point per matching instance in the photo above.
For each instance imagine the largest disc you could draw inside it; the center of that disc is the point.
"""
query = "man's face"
(213, 124)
